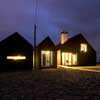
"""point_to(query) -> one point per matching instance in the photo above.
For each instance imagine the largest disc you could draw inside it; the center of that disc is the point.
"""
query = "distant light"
(16, 57)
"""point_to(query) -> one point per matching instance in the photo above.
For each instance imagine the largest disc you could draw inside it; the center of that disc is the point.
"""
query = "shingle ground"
(50, 84)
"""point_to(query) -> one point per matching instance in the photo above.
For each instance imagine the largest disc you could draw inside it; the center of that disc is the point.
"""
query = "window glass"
(84, 47)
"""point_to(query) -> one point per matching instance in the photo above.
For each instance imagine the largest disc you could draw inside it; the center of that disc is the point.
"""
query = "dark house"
(75, 51)
(45, 54)
(16, 53)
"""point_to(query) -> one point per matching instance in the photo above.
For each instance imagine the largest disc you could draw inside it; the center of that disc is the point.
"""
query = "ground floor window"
(46, 58)
(58, 57)
(69, 58)
(16, 57)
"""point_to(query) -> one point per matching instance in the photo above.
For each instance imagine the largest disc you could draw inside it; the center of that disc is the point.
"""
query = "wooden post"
(35, 46)
(35, 31)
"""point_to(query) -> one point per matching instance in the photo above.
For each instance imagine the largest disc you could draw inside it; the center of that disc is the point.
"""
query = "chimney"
(64, 37)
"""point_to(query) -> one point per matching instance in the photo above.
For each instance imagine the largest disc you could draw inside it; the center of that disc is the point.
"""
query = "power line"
(35, 11)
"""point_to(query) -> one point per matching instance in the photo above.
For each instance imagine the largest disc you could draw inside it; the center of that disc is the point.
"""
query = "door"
(46, 58)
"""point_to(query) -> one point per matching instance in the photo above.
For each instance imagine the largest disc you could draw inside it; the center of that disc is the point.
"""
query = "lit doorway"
(46, 58)
(69, 58)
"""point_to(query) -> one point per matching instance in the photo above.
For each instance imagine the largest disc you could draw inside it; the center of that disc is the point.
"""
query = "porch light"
(16, 57)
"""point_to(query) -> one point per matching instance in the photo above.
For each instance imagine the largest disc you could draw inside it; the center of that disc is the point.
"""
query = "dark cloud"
(53, 16)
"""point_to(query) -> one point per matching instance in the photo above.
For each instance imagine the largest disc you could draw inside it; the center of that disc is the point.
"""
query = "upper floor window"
(84, 47)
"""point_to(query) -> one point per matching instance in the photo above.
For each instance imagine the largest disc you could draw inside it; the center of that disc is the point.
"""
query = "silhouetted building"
(16, 53)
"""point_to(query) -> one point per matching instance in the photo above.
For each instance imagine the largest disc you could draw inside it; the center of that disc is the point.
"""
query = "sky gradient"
(54, 16)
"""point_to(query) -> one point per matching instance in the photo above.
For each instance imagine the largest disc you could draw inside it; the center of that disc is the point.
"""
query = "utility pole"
(34, 46)
(35, 31)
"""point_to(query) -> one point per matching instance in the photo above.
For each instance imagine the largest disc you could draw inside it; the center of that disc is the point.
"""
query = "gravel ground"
(50, 84)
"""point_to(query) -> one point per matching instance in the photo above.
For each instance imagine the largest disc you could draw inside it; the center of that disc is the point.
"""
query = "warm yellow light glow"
(69, 58)
(58, 57)
(45, 52)
(16, 57)
(87, 68)
(74, 59)
(46, 58)
(84, 47)
(58, 66)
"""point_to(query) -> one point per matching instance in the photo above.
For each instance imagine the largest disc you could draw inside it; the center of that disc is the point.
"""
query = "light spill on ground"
(83, 68)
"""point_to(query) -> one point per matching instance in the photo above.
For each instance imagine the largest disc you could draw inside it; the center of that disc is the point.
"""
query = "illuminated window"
(46, 58)
(84, 47)
(16, 57)
(69, 58)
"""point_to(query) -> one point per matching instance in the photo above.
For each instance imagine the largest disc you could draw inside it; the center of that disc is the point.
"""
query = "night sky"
(54, 16)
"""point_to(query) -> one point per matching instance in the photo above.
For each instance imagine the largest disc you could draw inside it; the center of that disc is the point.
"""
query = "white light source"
(16, 57)
(84, 47)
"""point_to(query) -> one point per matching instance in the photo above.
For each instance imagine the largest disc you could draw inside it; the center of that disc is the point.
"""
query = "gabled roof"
(72, 40)
(46, 43)
(16, 37)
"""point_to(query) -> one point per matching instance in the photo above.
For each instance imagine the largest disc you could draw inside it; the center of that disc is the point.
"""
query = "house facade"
(16, 53)
(75, 51)
(45, 54)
